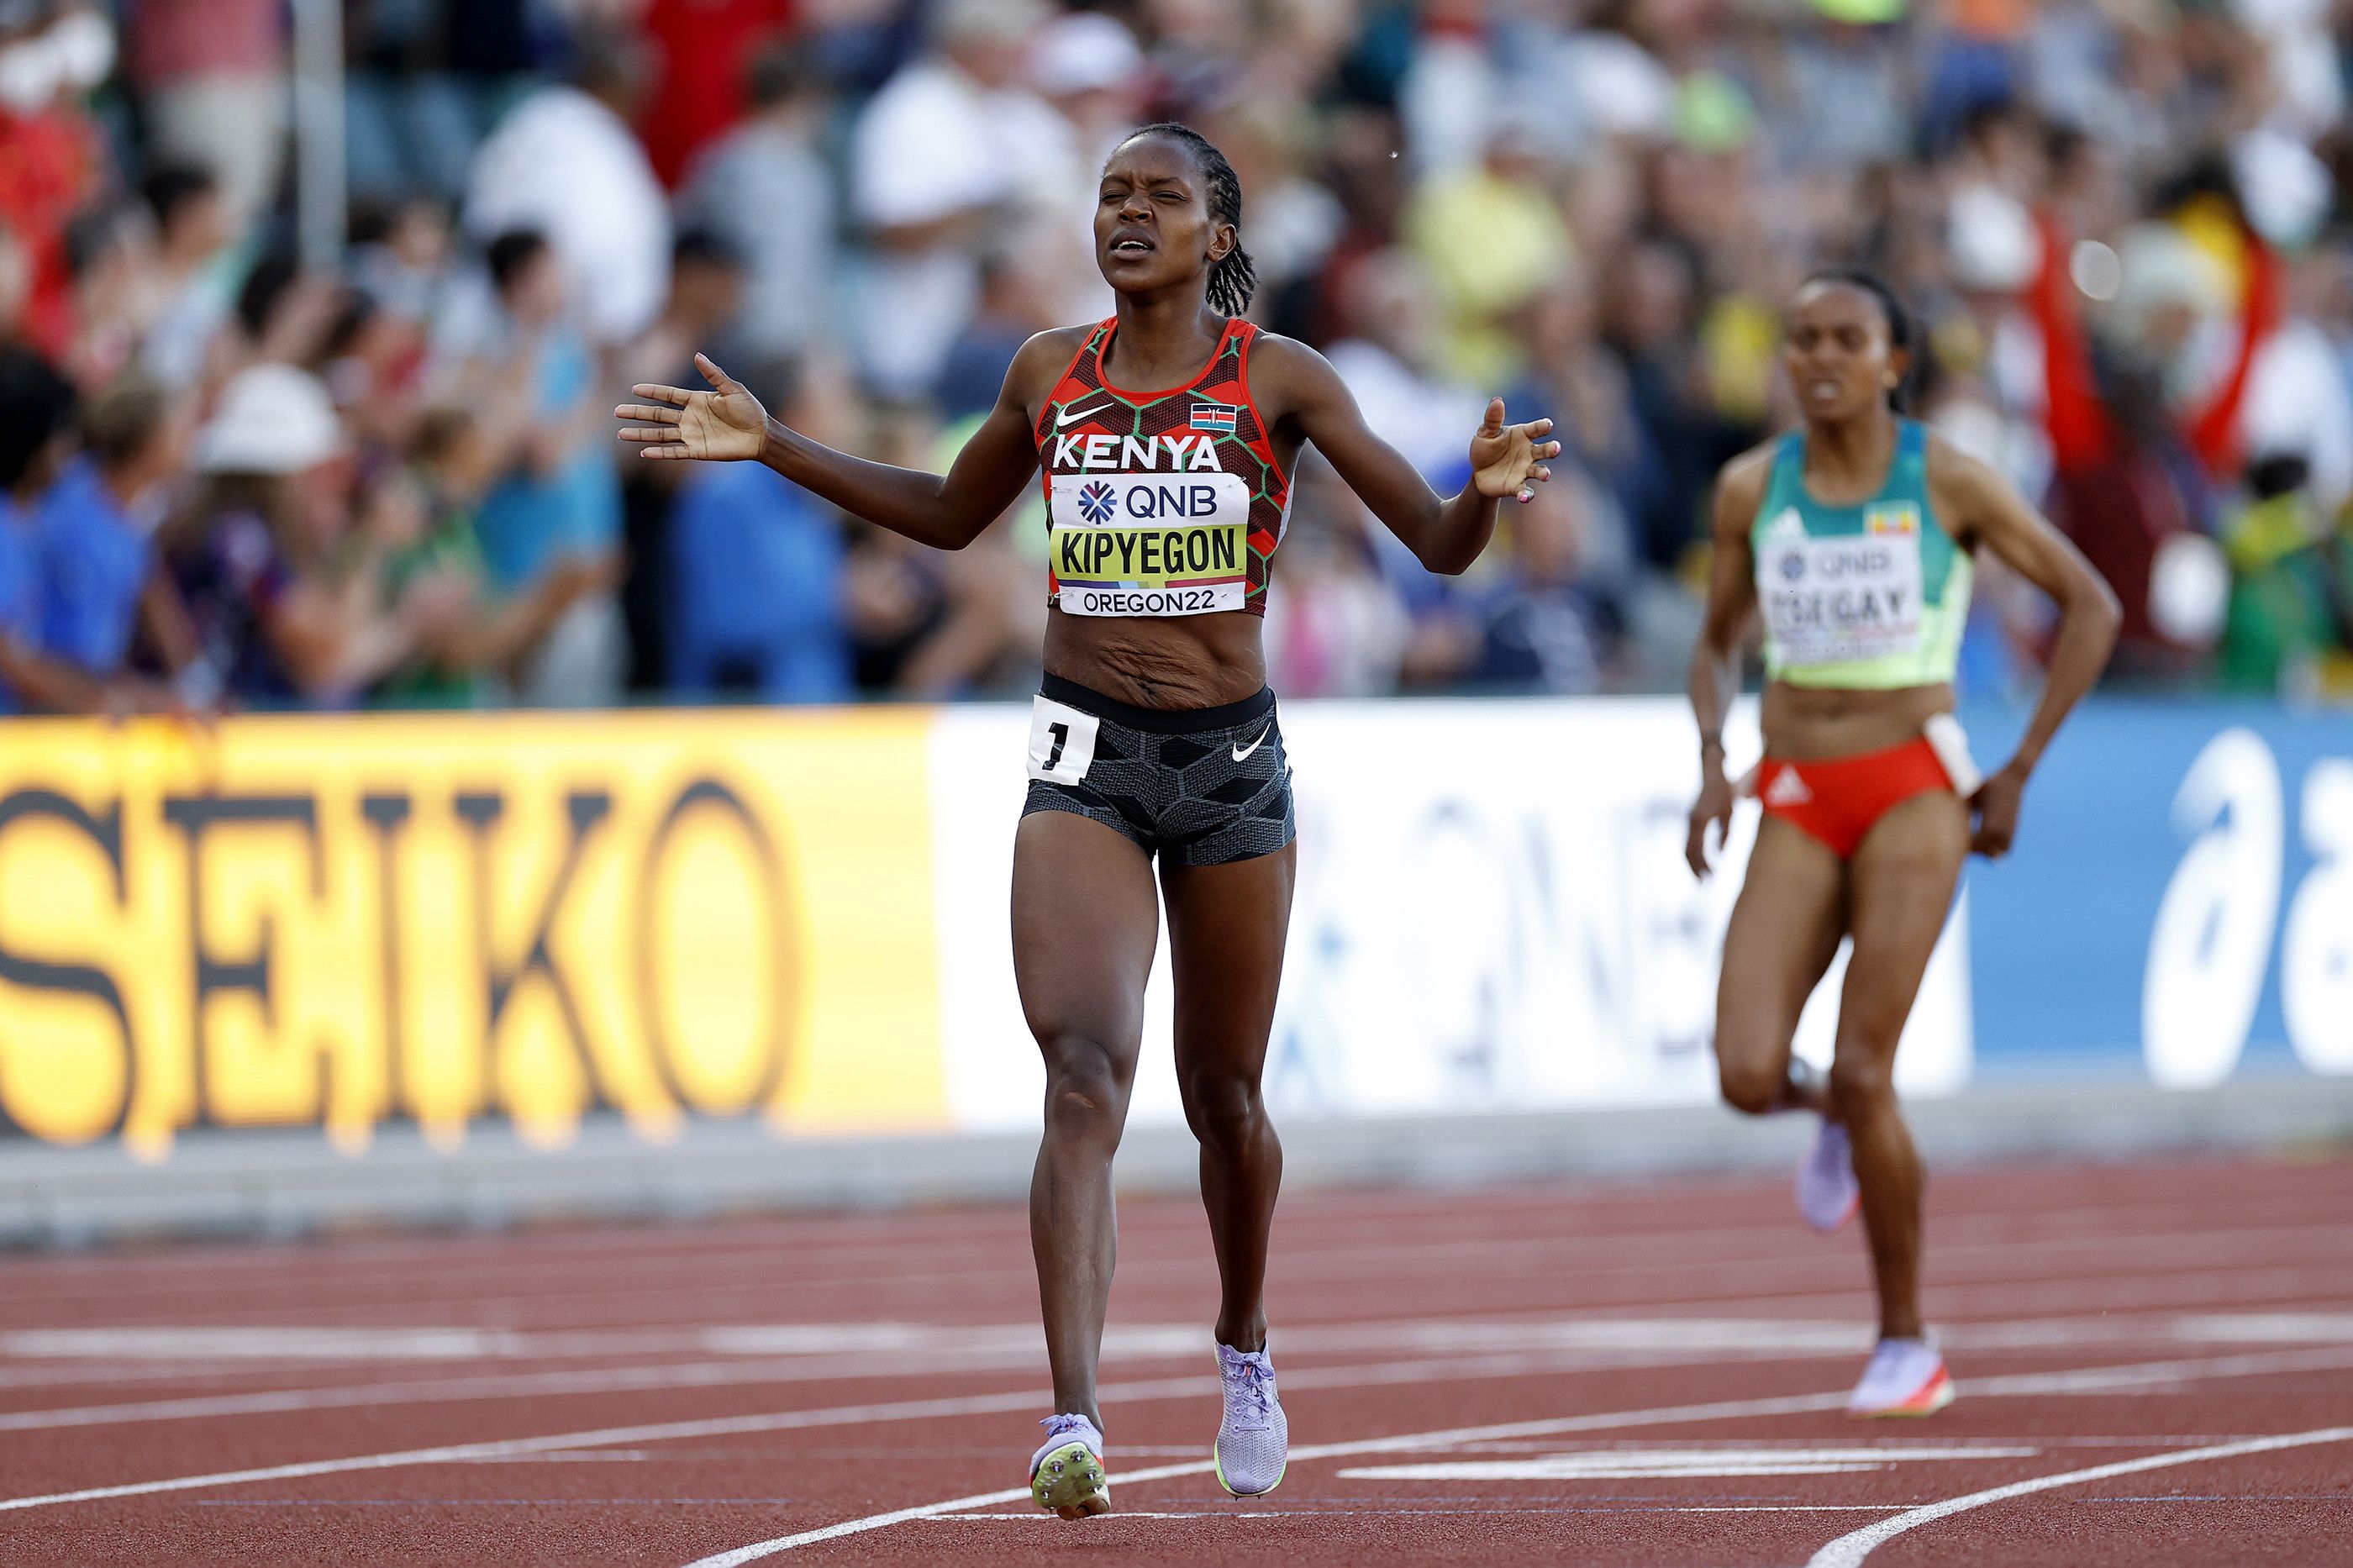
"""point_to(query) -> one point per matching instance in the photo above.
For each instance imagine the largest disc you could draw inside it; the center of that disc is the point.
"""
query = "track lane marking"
(1849, 1550)
(2171, 1244)
(2088, 1380)
(2158, 1374)
(1605, 1344)
(1361, 1377)
(1723, 1410)
(912, 1349)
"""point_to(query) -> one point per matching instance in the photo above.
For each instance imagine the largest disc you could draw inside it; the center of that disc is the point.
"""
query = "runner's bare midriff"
(1807, 723)
(1176, 664)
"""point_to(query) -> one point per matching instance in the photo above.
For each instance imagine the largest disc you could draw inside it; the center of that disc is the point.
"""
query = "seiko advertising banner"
(335, 921)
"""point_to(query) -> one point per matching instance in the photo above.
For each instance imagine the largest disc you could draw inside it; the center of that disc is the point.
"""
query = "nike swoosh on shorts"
(1241, 755)
(1063, 417)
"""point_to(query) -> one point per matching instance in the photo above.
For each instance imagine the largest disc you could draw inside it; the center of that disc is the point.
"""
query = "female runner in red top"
(1154, 734)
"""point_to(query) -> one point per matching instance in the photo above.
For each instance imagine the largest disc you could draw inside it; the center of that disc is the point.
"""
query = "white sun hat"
(1085, 51)
(272, 419)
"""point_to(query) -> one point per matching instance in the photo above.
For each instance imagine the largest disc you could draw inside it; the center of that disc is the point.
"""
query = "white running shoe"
(1254, 1439)
(1905, 1377)
(1066, 1476)
(1828, 1193)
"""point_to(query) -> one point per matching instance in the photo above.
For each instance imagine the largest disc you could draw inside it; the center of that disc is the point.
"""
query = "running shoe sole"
(1069, 1482)
(1935, 1396)
(1219, 1460)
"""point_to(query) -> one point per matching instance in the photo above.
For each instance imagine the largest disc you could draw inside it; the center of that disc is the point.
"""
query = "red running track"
(1632, 1374)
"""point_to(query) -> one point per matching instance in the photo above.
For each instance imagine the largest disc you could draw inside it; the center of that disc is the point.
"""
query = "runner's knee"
(1086, 1087)
(1224, 1107)
(1753, 1088)
(1861, 1080)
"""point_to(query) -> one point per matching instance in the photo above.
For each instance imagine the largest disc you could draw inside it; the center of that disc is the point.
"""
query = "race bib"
(1062, 742)
(1847, 599)
(1150, 544)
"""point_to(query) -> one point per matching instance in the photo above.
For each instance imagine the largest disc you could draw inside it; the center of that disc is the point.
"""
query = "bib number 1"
(1062, 742)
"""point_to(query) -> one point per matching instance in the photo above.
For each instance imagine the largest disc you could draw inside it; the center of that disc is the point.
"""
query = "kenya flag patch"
(1217, 418)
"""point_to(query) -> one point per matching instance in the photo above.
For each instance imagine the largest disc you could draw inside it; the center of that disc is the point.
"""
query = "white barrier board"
(1493, 912)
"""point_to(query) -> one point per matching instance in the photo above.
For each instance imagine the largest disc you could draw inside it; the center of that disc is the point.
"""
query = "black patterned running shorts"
(1197, 788)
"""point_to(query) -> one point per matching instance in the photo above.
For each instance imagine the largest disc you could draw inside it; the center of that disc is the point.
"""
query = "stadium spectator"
(700, 49)
(1389, 357)
(410, 126)
(278, 612)
(420, 519)
(756, 576)
(1088, 66)
(211, 76)
(1490, 235)
(561, 494)
(565, 165)
(1333, 625)
(54, 166)
(1541, 624)
(96, 529)
(706, 295)
(1017, 299)
(955, 144)
(403, 260)
(191, 290)
(37, 441)
(766, 189)
(926, 624)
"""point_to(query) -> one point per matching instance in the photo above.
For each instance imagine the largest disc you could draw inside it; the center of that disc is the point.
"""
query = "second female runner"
(1856, 535)
(1169, 435)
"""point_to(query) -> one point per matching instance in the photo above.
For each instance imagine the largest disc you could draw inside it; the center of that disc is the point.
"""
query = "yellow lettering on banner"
(338, 921)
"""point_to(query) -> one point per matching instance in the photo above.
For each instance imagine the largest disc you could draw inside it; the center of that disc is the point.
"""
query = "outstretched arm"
(947, 511)
(1986, 505)
(1444, 534)
(1716, 658)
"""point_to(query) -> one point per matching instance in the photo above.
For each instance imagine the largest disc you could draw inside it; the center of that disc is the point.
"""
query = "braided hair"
(1232, 279)
(1891, 305)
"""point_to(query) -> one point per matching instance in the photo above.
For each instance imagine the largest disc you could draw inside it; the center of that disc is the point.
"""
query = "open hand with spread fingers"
(725, 424)
(1509, 459)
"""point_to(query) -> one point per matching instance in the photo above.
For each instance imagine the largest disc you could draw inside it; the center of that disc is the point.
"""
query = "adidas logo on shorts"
(1787, 789)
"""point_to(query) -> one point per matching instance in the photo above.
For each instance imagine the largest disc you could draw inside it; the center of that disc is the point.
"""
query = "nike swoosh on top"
(1070, 415)
(1241, 755)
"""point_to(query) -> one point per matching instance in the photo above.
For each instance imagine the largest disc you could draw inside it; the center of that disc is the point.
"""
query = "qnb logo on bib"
(1842, 600)
(1152, 544)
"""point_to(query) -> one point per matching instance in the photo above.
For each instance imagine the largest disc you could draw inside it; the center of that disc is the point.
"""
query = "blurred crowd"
(235, 473)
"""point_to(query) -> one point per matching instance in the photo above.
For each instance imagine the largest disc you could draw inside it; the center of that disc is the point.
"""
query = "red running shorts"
(1836, 800)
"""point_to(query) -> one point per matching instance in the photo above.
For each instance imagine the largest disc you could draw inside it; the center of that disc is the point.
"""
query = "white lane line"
(265, 1342)
(1365, 1376)
(913, 1350)
(2111, 1379)
(619, 1380)
(1687, 1464)
(1509, 1358)
(1037, 1517)
(462, 1453)
(1849, 1550)
(1721, 1411)
(2180, 1250)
